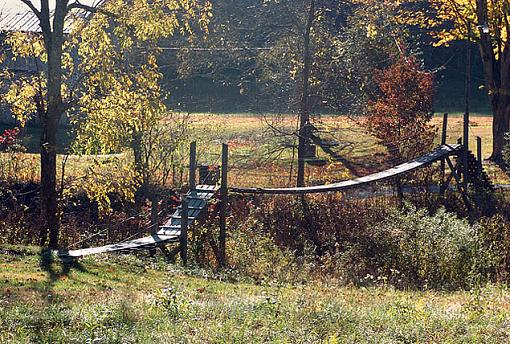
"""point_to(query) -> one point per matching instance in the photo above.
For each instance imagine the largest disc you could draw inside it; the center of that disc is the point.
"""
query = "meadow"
(276, 288)
(259, 148)
(125, 299)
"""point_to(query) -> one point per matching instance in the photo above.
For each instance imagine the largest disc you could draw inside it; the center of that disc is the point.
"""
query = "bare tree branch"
(32, 8)
(91, 9)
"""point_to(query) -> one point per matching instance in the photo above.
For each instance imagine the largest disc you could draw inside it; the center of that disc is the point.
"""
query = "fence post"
(460, 170)
(223, 203)
(193, 167)
(184, 232)
(443, 161)
(444, 132)
(479, 149)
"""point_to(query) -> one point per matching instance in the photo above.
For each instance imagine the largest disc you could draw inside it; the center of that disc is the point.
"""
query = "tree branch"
(91, 9)
(32, 8)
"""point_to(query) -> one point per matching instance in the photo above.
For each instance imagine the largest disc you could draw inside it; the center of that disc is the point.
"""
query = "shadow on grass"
(58, 268)
(48, 263)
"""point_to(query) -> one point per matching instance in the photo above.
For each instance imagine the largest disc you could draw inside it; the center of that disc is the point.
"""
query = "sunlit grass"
(257, 156)
(125, 299)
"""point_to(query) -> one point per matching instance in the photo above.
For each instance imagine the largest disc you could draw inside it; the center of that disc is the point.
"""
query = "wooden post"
(460, 158)
(479, 149)
(154, 210)
(444, 132)
(443, 161)
(400, 193)
(193, 167)
(184, 232)
(223, 204)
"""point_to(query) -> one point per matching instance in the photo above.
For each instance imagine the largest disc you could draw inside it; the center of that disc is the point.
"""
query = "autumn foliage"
(400, 116)
(8, 138)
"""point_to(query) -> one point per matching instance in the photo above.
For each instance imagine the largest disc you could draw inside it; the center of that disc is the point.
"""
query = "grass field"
(125, 299)
(256, 157)
(138, 299)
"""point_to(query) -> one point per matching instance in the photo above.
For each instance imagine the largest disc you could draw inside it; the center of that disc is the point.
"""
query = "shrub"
(495, 235)
(400, 116)
(8, 138)
(441, 250)
(254, 253)
(288, 239)
(283, 239)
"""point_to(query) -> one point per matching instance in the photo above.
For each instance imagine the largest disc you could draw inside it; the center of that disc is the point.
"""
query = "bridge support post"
(479, 150)
(400, 192)
(184, 232)
(193, 167)
(443, 161)
(223, 204)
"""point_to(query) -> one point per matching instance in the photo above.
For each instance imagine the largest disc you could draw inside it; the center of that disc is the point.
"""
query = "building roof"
(16, 16)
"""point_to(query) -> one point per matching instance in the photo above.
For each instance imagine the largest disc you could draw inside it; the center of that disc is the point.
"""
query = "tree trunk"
(49, 211)
(50, 120)
(500, 126)
(304, 115)
(497, 79)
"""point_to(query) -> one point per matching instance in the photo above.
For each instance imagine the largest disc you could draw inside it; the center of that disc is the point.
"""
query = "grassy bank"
(125, 299)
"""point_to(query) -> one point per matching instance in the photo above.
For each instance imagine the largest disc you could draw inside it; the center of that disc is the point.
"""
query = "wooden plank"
(192, 213)
(196, 203)
(174, 219)
(437, 154)
(128, 245)
(207, 188)
(170, 231)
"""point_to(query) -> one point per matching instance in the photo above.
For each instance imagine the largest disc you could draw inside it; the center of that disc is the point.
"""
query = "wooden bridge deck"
(170, 232)
(427, 159)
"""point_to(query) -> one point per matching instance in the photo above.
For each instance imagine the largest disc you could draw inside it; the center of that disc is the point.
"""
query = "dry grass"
(256, 154)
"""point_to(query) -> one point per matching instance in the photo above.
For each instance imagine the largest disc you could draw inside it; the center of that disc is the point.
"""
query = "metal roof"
(16, 16)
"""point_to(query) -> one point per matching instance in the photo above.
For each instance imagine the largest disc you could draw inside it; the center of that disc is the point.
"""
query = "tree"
(73, 67)
(263, 47)
(450, 20)
(50, 106)
(333, 48)
(400, 116)
(271, 60)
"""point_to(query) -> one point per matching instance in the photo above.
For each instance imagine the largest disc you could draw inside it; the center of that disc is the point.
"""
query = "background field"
(257, 157)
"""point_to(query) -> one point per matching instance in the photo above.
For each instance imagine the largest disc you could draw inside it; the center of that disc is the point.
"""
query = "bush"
(366, 241)
(495, 234)
(288, 240)
(441, 250)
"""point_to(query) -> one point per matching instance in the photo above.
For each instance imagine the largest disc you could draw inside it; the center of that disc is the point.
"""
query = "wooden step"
(207, 188)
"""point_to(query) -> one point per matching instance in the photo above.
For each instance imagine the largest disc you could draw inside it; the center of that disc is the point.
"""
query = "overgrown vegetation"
(130, 300)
